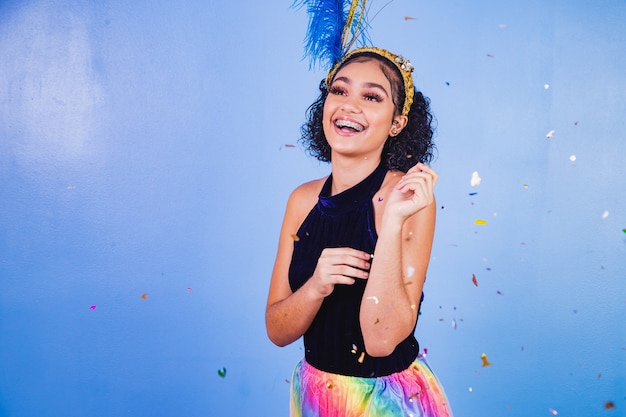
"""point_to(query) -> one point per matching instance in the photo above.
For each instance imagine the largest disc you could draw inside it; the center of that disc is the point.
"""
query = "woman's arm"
(391, 300)
(289, 314)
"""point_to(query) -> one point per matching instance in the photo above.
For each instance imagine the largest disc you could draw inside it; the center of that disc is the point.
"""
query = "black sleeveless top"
(334, 342)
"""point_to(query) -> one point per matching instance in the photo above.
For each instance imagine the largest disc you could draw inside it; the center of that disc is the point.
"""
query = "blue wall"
(145, 162)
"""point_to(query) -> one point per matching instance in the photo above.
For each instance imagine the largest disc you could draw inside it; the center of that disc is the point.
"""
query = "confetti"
(485, 361)
(572, 158)
(550, 134)
(454, 324)
(92, 307)
(409, 18)
(188, 288)
(329, 385)
(553, 411)
(373, 297)
(624, 230)
(290, 145)
(470, 389)
(409, 271)
(361, 358)
(475, 179)
(480, 222)
(354, 349)
(447, 83)
(605, 214)
(546, 86)
(502, 25)
(474, 280)
(295, 237)
(144, 296)
(525, 185)
(472, 194)
(491, 56)
(380, 199)
(609, 405)
(222, 372)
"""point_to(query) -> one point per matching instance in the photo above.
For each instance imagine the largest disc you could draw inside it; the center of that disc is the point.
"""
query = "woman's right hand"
(339, 266)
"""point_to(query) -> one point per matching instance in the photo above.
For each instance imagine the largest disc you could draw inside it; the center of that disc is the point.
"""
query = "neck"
(349, 172)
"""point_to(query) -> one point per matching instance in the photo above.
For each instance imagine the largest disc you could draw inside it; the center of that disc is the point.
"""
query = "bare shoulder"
(303, 198)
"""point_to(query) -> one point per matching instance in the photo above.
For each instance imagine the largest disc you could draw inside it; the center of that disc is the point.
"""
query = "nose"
(351, 104)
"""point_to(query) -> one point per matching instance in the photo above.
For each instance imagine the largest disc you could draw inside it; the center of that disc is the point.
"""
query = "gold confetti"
(609, 405)
(480, 222)
(525, 185)
(329, 385)
(144, 296)
(409, 18)
(362, 357)
(474, 280)
(295, 237)
(485, 361)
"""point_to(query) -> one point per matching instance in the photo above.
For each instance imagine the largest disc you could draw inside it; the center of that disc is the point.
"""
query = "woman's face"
(359, 111)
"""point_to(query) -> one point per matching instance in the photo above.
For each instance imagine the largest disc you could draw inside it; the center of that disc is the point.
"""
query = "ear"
(398, 123)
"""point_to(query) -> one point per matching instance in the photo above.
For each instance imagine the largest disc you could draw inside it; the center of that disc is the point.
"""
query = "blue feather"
(323, 41)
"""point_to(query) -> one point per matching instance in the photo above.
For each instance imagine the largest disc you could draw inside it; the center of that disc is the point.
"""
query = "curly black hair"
(414, 143)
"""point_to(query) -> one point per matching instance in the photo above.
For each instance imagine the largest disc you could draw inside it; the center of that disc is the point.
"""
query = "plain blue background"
(145, 149)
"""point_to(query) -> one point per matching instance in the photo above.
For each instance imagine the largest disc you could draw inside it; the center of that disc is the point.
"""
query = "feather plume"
(325, 41)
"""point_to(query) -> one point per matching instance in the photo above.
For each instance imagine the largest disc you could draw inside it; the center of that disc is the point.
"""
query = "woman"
(355, 246)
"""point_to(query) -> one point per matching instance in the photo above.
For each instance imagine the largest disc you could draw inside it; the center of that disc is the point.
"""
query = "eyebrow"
(366, 85)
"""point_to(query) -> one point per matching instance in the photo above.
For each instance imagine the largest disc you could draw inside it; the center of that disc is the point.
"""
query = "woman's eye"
(337, 90)
(372, 97)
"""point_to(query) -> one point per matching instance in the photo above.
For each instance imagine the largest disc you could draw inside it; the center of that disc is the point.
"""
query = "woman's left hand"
(413, 192)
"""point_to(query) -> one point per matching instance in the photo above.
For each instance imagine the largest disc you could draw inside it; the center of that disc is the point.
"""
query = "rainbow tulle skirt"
(414, 392)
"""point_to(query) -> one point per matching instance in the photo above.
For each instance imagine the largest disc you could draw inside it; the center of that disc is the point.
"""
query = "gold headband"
(404, 65)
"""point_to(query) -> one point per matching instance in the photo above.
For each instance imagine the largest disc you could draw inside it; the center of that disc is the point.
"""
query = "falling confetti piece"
(546, 86)
(188, 288)
(454, 324)
(475, 179)
(447, 83)
(491, 56)
(502, 25)
(222, 372)
(605, 214)
(609, 405)
(572, 158)
(473, 194)
(380, 199)
(499, 292)
(576, 123)
(409, 271)
(295, 237)
(92, 307)
(553, 411)
(550, 134)
(373, 297)
(624, 230)
(470, 389)
(144, 296)
(480, 222)
(329, 385)
(289, 145)
(525, 185)
(409, 18)
(474, 280)
(354, 349)
(485, 361)
(362, 357)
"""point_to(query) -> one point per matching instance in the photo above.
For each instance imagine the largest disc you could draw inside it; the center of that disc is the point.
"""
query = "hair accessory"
(335, 26)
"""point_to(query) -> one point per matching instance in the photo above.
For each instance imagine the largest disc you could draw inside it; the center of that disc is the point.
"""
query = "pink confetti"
(553, 411)
(93, 307)
(188, 288)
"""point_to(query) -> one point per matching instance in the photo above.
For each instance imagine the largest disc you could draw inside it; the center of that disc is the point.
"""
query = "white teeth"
(347, 123)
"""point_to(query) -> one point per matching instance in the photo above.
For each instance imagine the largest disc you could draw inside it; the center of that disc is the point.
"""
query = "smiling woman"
(351, 281)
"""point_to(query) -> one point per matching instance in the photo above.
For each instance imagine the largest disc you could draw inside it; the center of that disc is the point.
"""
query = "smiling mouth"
(349, 125)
